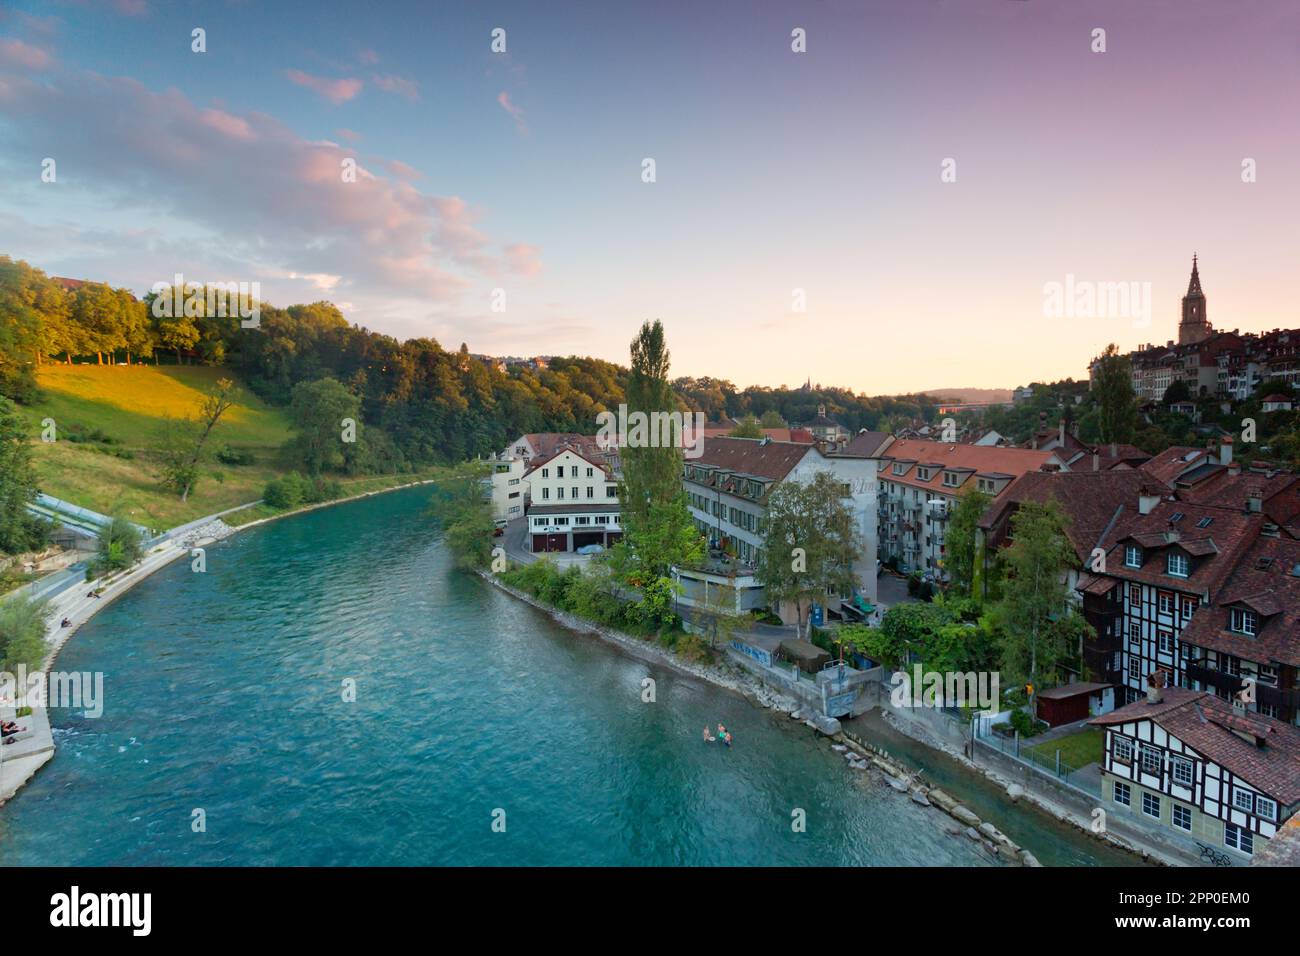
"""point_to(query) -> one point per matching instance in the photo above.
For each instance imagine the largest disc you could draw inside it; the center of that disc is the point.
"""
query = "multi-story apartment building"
(727, 490)
(1205, 769)
(573, 502)
(538, 445)
(919, 482)
(509, 489)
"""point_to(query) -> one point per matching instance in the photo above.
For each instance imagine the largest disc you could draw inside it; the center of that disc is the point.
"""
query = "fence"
(1046, 761)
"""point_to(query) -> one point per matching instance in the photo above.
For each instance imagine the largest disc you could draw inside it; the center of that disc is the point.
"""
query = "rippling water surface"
(224, 694)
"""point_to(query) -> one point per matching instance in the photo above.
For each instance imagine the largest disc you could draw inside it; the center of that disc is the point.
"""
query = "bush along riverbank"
(568, 591)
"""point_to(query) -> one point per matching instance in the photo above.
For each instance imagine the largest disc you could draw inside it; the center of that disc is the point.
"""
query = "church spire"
(1195, 326)
(1194, 287)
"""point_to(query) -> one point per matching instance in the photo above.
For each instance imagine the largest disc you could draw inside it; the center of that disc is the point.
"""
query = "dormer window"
(1132, 556)
(950, 479)
(923, 474)
(899, 469)
(1177, 564)
(1244, 621)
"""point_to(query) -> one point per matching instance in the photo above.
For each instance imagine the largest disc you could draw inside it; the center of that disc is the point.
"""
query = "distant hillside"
(978, 395)
(108, 418)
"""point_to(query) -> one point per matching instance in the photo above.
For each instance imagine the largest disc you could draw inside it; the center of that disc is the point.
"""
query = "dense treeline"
(719, 398)
(419, 402)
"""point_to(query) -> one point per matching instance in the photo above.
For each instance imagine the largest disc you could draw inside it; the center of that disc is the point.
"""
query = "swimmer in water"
(707, 738)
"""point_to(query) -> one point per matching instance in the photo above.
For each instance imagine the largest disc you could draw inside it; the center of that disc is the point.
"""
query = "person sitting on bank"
(9, 728)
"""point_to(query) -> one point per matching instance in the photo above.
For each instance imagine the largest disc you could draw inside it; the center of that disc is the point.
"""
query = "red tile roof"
(973, 459)
(1172, 462)
(1215, 548)
(1266, 580)
(1207, 725)
(1092, 502)
(752, 456)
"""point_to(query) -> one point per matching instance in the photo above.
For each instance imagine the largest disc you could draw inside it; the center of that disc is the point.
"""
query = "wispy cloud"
(336, 91)
(18, 53)
(397, 84)
(515, 112)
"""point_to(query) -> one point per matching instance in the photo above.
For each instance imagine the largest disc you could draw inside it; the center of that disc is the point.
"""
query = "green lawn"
(1077, 749)
(129, 404)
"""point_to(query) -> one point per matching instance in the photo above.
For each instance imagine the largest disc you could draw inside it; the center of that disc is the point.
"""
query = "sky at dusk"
(776, 171)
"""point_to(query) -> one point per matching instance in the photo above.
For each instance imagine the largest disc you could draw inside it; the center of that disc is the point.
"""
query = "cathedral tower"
(1195, 325)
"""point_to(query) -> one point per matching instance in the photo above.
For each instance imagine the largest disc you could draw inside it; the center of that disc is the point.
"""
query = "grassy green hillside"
(117, 412)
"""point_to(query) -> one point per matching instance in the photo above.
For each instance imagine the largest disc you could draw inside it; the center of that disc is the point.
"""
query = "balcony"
(1104, 643)
(1210, 677)
(1284, 699)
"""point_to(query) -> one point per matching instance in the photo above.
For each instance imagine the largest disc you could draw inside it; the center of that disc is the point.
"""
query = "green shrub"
(1026, 725)
(234, 456)
(285, 492)
(692, 648)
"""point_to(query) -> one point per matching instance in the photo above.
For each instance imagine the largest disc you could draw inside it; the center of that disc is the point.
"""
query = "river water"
(225, 706)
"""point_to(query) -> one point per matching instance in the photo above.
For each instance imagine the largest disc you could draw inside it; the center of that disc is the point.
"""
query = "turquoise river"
(224, 693)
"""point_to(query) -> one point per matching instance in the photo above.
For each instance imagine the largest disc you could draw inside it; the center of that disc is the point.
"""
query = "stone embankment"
(863, 756)
(208, 533)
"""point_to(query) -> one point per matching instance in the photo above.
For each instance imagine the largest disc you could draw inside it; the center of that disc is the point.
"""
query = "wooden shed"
(1077, 701)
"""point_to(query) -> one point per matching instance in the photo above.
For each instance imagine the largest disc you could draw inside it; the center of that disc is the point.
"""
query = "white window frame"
(1148, 799)
(1148, 751)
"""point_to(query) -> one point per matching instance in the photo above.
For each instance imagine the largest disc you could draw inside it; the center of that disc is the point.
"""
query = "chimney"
(1114, 449)
(1096, 462)
(1255, 502)
(1147, 502)
(1156, 687)
(1225, 450)
(1060, 432)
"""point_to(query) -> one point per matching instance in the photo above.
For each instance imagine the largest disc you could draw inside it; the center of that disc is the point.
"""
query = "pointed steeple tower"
(1195, 325)
(1194, 287)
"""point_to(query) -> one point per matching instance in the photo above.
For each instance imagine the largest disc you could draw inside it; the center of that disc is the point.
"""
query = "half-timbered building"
(1206, 769)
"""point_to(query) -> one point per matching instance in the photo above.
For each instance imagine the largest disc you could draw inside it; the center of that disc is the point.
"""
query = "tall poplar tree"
(657, 524)
(1115, 396)
(1037, 624)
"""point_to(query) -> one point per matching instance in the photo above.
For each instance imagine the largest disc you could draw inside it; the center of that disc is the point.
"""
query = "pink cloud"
(523, 258)
(515, 112)
(347, 134)
(399, 168)
(336, 91)
(263, 195)
(23, 55)
(231, 126)
(398, 85)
